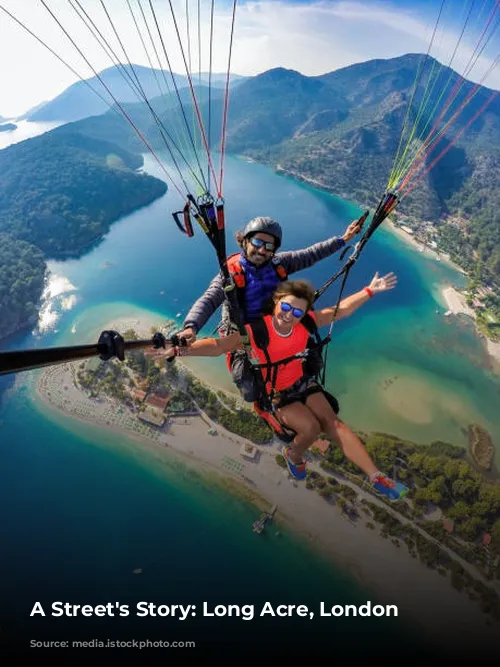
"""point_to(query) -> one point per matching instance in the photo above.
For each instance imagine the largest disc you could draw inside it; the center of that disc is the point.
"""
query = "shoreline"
(457, 305)
(377, 563)
(492, 347)
(420, 247)
(389, 223)
(455, 301)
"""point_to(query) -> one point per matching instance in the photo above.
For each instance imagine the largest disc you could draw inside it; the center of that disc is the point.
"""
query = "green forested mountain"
(352, 155)
(341, 131)
(62, 190)
(80, 101)
(278, 105)
(59, 194)
(22, 274)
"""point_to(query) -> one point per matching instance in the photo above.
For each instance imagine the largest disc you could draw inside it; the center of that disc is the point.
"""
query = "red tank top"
(281, 347)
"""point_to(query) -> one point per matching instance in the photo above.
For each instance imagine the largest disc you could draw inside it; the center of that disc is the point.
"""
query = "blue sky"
(312, 37)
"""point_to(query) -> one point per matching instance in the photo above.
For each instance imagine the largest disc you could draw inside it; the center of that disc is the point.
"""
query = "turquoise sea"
(82, 508)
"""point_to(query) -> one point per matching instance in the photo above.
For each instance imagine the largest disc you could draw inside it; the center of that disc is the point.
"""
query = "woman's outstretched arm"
(207, 347)
(348, 305)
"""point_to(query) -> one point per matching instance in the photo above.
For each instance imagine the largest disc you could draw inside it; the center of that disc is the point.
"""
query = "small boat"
(139, 570)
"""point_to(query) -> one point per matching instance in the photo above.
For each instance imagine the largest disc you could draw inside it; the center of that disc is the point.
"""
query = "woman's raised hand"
(383, 284)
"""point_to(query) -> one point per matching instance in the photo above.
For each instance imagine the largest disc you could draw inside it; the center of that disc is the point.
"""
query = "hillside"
(22, 276)
(341, 130)
(61, 190)
(80, 101)
(59, 194)
(279, 105)
(348, 146)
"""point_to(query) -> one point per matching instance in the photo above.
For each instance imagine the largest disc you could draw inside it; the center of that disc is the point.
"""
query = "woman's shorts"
(300, 391)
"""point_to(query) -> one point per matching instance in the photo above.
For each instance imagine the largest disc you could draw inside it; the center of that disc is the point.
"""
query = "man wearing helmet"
(262, 268)
(256, 272)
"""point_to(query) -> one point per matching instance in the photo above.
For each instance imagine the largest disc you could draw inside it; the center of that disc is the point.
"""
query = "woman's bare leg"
(300, 418)
(351, 445)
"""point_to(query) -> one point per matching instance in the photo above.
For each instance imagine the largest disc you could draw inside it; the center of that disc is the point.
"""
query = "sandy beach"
(456, 302)
(420, 247)
(390, 572)
(457, 305)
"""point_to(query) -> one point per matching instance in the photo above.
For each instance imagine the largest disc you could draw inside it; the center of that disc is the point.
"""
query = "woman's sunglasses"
(296, 312)
(259, 243)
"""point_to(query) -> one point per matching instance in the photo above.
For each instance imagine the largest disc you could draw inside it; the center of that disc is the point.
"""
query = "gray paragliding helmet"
(264, 225)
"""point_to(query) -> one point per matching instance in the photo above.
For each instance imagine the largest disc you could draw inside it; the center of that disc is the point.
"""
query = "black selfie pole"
(110, 344)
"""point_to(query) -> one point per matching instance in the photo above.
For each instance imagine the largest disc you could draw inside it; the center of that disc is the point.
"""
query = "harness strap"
(238, 274)
(236, 271)
(271, 368)
(281, 362)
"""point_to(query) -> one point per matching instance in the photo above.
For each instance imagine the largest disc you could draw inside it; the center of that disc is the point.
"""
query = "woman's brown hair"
(301, 289)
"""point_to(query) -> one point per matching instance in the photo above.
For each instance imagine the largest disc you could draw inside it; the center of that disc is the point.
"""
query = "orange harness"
(236, 270)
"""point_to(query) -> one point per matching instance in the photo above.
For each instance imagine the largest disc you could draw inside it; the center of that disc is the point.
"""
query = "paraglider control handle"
(159, 340)
(176, 342)
(360, 222)
(114, 345)
(362, 219)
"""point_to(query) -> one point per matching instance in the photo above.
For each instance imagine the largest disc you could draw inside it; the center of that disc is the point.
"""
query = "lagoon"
(85, 510)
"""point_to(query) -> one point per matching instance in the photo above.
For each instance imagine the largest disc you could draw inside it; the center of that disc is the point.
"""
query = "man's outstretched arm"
(203, 309)
(297, 260)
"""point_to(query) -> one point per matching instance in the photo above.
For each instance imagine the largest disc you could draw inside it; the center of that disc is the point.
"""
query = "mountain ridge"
(78, 101)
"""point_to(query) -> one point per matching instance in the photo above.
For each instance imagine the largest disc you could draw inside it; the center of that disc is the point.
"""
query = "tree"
(459, 511)
(471, 528)
(465, 487)
(335, 455)
(415, 461)
(432, 466)
(432, 493)
(451, 469)
(490, 494)
(325, 492)
(321, 482)
(382, 450)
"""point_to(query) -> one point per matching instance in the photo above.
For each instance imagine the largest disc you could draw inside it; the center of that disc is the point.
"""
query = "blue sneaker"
(297, 470)
(389, 488)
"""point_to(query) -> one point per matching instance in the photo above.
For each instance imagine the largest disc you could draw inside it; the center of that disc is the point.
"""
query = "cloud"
(466, 59)
(319, 37)
(310, 37)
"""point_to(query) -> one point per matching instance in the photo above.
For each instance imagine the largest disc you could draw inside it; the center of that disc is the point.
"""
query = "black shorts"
(299, 393)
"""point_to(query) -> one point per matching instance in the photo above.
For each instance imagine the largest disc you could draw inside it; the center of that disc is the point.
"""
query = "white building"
(248, 451)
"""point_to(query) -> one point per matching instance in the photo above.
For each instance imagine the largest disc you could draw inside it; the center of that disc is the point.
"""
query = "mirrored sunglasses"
(296, 312)
(259, 243)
